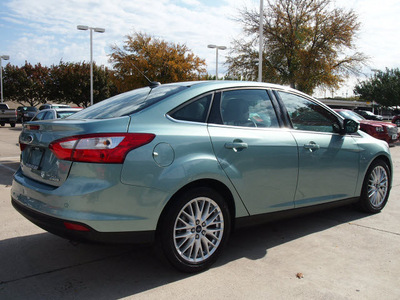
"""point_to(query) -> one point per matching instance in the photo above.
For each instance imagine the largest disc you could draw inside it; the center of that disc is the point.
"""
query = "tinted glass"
(48, 116)
(307, 115)
(350, 115)
(39, 116)
(128, 103)
(248, 108)
(195, 111)
(64, 114)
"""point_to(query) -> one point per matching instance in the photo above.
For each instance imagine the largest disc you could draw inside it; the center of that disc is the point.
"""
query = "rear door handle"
(236, 145)
(311, 146)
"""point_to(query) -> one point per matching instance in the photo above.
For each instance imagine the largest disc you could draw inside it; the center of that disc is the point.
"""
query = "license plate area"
(35, 158)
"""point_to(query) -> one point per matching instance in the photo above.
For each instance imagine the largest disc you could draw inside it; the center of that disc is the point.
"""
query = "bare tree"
(307, 43)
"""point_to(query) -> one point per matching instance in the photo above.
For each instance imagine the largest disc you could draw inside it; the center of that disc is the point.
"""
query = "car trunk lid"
(38, 162)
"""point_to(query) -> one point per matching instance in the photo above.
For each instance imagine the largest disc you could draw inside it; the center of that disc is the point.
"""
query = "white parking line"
(13, 158)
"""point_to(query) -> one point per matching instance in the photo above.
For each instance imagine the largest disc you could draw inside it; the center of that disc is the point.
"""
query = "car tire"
(194, 229)
(376, 187)
(12, 124)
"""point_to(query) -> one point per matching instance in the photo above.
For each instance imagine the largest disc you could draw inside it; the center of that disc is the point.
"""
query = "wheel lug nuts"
(204, 224)
(197, 236)
(204, 232)
(197, 222)
(193, 230)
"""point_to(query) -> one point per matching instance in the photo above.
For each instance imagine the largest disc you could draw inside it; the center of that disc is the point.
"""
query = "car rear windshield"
(128, 103)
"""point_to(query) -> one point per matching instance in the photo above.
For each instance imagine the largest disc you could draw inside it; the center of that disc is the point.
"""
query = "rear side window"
(195, 111)
(128, 103)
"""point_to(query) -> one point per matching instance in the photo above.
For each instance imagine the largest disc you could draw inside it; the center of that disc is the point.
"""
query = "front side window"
(248, 108)
(307, 115)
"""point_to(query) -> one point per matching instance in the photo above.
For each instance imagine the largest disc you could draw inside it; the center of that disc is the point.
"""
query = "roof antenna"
(152, 84)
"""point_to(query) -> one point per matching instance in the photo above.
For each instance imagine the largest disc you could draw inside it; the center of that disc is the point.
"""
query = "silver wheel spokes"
(377, 186)
(198, 229)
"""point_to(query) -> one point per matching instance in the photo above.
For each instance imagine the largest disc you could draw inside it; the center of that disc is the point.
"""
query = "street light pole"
(5, 57)
(216, 54)
(95, 29)
(260, 54)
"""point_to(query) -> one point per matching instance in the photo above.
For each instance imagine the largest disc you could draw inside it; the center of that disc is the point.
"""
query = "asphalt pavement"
(334, 254)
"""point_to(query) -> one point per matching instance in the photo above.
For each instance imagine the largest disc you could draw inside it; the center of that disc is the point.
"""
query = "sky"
(44, 31)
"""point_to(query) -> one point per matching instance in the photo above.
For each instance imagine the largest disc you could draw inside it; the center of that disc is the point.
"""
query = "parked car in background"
(182, 163)
(49, 105)
(381, 130)
(55, 113)
(368, 115)
(26, 113)
(7, 115)
(396, 120)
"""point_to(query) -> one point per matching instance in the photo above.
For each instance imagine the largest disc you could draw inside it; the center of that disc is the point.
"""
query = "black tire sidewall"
(168, 223)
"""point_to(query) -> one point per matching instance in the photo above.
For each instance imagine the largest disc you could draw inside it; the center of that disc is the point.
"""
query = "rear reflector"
(99, 148)
(76, 227)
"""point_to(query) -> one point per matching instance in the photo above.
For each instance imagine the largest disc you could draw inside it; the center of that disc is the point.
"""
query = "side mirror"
(350, 126)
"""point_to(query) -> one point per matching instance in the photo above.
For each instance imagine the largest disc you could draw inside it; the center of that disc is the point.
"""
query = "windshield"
(348, 114)
(128, 103)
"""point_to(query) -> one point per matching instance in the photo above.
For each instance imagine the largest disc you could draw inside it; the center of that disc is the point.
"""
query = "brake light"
(32, 127)
(22, 146)
(99, 148)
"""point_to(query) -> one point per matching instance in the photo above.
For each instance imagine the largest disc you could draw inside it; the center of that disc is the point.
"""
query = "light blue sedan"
(182, 164)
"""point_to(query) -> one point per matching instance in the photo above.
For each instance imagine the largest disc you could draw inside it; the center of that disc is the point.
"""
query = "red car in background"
(378, 129)
(396, 120)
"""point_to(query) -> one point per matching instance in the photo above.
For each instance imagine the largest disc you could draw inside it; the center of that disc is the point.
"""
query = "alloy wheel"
(198, 230)
(378, 184)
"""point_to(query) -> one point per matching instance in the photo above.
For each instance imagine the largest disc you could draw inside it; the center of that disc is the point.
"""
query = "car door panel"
(328, 160)
(261, 164)
(328, 167)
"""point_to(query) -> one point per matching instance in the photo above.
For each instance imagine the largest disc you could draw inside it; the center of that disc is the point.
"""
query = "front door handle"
(236, 145)
(311, 146)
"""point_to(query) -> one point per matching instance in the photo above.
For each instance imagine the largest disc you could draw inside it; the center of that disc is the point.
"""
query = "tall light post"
(260, 31)
(5, 57)
(95, 29)
(216, 53)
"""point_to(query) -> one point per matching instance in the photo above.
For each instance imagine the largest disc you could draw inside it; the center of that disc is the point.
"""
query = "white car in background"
(55, 113)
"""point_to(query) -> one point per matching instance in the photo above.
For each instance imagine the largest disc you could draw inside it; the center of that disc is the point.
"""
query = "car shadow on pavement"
(51, 267)
(7, 169)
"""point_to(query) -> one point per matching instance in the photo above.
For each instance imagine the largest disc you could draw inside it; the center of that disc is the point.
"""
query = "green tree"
(304, 44)
(156, 59)
(26, 84)
(383, 87)
(70, 83)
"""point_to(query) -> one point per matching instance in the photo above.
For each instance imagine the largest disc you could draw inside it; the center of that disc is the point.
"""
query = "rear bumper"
(57, 227)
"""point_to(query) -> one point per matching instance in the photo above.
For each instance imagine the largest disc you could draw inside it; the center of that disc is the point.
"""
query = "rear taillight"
(32, 127)
(22, 146)
(99, 148)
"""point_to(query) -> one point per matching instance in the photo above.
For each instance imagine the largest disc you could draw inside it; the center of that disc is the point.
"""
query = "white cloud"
(45, 30)
(189, 22)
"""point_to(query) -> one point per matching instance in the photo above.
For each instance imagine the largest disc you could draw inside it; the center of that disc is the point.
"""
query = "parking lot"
(335, 254)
